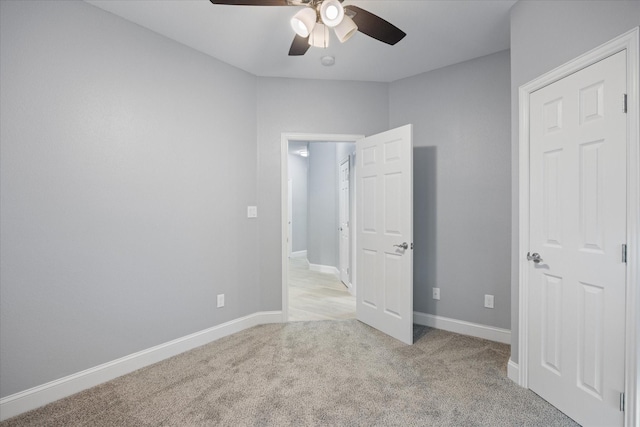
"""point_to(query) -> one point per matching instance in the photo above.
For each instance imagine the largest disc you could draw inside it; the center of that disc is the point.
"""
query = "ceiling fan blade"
(299, 46)
(252, 2)
(376, 27)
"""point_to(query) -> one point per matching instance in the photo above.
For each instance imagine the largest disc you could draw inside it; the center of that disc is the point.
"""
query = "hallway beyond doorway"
(317, 296)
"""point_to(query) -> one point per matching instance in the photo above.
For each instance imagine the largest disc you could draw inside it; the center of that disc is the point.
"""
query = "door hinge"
(624, 253)
(621, 402)
(624, 103)
(411, 245)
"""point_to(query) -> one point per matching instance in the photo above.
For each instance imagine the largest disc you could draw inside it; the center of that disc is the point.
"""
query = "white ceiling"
(257, 38)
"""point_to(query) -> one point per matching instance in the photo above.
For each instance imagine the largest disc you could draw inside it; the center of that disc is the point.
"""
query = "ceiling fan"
(312, 23)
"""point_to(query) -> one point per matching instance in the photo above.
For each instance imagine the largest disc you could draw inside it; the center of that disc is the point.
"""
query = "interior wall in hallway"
(298, 174)
(323, 207)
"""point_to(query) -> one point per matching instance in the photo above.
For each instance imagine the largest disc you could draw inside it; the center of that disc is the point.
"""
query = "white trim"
(513, 371)
(351, 261)
(290, 216)
(628, 41)
(328, 269)
(284, 172)
(632, 359)
(35, 397)
(353, 226)
(298, 254)
(351, 289)
(463, 327)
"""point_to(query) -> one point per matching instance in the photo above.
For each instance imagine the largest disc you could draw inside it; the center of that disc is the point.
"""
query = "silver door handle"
(404, 246)
(535, 257)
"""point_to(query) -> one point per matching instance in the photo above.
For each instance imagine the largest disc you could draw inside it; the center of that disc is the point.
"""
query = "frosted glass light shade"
(319, 37)
(331, 12)
(303, 22)
(345, 29)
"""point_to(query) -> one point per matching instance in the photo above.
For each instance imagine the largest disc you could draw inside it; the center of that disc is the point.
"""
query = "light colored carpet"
(329, 373)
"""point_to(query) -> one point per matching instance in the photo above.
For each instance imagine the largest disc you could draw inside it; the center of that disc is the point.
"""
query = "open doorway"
(319, 283)
(384, 243)
(318, 276)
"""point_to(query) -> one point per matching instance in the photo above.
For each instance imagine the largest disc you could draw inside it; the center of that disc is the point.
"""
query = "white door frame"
(349, 261)
(629, 42)
(289, 217)
(285, 138)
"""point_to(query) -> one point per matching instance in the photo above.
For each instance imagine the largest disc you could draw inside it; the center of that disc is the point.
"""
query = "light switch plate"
(220, 300)
(252, 211)
(436, 293)
(488, 301)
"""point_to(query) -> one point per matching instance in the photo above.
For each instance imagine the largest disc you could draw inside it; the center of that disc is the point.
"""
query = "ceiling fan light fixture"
(319, 37)
(331, 12)
(345, 29)
(303, 22)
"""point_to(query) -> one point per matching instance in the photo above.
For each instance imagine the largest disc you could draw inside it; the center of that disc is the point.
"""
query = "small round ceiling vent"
(328, 60)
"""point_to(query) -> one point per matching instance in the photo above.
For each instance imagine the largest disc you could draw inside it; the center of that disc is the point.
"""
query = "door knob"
(535, 257)
(403, 245)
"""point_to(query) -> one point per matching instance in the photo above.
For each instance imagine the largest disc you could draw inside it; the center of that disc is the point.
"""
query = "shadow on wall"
(424, 228)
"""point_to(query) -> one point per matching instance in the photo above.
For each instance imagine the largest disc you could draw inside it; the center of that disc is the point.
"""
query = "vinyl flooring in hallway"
(317, 296)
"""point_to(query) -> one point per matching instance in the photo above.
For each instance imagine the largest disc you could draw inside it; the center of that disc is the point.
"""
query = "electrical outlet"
(220, 300)
(488, 301)
(252, 211)
(436, 293)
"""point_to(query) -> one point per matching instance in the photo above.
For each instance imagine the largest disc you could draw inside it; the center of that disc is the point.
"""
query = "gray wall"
(322, 234)
(338, 107)
(127, 163)
(298, 173)
(460, 116)
(545, 35)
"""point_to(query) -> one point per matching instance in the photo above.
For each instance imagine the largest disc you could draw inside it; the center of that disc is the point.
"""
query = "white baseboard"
(35, 397)
(329, 269)
(513, 372)
(461, 327)
(298, 254)
(351, 289)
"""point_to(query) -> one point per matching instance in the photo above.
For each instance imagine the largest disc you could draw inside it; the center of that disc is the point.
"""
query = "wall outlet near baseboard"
(220, 300)
(488, 301)
(436, 293)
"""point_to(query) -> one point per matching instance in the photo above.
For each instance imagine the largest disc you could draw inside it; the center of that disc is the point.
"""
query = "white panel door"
(577, 227)
(343, 207)
(384, 209)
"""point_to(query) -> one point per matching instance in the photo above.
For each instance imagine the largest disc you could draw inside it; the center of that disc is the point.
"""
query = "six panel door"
(384, 208)
(578, 226)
